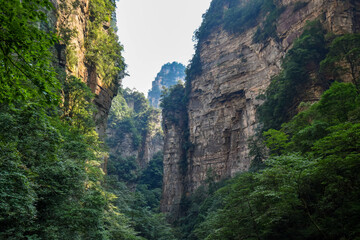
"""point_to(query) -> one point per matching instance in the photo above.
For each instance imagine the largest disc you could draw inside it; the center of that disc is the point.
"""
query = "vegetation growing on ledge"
(310, 53)
(303, 58)
(102, 45)
(343, 58)
(307, 189)
(235, 17)
(67, 33)
(50, 179)
(138, 190)
(173, 103)
(268, 29)
(299, 5)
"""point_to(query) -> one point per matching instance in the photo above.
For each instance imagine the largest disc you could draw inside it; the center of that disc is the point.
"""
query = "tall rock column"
(168, 76)
(174, 167)
(175, 126)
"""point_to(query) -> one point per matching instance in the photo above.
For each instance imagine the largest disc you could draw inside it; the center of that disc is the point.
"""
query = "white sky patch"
(155, 32)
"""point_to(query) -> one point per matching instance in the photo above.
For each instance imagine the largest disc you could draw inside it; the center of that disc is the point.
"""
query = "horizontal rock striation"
(223, 99)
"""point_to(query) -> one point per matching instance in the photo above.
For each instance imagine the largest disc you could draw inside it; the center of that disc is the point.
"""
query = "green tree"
(50, 153)
(25, 70)
(304, 57)
(344, 49)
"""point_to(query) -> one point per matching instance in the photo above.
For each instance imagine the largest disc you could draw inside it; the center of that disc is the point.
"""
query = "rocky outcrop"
(223, 99)
(169, 75)
(72, 26)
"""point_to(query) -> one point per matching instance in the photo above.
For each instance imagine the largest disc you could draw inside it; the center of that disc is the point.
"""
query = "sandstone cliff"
(75, 21)
(223, 98)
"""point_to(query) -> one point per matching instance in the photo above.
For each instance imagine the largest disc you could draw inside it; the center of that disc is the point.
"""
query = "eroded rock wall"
(72, 26)
(223, 99)
(174, 164)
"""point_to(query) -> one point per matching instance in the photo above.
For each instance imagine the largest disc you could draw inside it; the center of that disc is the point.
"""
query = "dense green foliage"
(173, 103)
(103, 49)
(139, 199)
(25, 69)
(303, 58)
(146, 220)
(128, 121)
(50, 179)
(343, 58)
(334, 59)
(130, 114)
(138, 189)
(195, 209)
(304, 182)
(309, 188)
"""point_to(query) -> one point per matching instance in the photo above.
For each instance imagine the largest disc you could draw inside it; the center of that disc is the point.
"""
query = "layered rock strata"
(223, 99)
(174, 164)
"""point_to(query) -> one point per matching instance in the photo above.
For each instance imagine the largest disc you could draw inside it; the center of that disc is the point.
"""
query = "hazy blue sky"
(154, 32)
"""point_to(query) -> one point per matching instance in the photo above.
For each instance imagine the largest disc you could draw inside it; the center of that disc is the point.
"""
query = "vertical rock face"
(174, 165)
(223, 99)
(169, 75)
(72, 25)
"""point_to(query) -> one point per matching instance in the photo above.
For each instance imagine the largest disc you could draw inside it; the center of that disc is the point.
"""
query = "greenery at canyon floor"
(304, 180)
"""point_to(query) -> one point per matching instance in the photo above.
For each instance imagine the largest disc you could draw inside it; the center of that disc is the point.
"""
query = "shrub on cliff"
(303, 57)
(309, 188)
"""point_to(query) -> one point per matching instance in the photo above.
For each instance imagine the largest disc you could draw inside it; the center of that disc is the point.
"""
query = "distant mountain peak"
(169, 75)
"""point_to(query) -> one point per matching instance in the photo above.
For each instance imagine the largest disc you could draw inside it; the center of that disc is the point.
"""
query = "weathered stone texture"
(77, 18)
(223, 99)
(173, 180)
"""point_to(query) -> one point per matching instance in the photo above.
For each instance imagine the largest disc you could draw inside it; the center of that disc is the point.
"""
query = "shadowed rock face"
(174, 168)
(223, 100)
